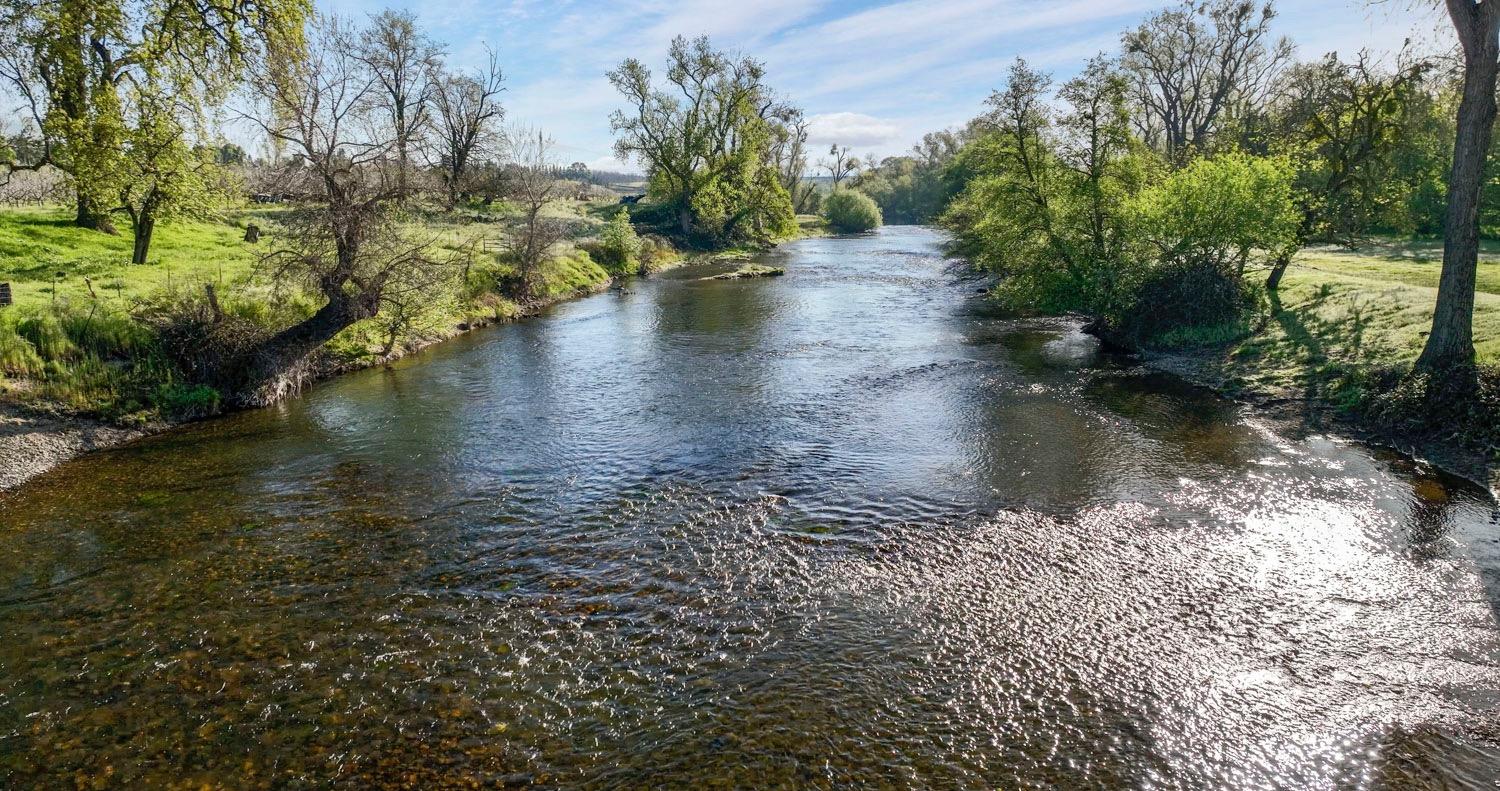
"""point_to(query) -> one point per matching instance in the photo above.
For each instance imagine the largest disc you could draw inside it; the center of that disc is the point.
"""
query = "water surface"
(843, 528)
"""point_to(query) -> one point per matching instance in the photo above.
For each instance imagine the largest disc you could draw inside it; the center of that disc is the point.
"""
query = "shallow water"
(842, 528)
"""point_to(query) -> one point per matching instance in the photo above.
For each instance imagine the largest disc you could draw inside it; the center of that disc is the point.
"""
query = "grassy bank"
(82, 337)
(1343, 326)
(1340, 313)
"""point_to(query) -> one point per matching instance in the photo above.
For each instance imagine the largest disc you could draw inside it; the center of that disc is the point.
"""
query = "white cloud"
(851, 129)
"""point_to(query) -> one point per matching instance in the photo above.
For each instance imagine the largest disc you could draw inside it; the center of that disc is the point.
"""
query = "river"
(842, 528)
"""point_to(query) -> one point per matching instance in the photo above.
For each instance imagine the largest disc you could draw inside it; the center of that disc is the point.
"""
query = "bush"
(1185, 303)
(656, 253)
(621, 245)
(850, 211)
(1215, 211)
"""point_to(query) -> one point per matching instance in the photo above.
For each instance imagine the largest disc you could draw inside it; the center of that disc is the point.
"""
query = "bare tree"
(346, 245)
(404, 62)
(1450, 345)
(533, 183)
(468, 121)
(789, 132)
(1195, 65)
(841, 164)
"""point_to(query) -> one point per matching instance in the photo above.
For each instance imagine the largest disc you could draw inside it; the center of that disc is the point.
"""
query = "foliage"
(708, 143)
(914, 189)
(68, 62)
(619, 247)
(1213, 213)
(1045, 203)
(851, 211)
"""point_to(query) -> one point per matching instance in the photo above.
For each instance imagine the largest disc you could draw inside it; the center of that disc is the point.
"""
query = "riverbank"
(1343, 323)
(37, 435)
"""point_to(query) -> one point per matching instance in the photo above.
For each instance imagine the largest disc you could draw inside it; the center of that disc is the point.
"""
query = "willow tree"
(707, 141)
(70, 62)
(347, 245)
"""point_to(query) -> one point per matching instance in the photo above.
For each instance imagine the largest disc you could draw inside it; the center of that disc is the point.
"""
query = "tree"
(789, 153)
(1193, 65)
(706, 141)
(68, 61)
(533, 184)
(840, 164)
(468, 120)
(1216, 211)
(347, 245)
(914, 188)
(1344, 122)
(404, 61)
(1046, 204)
(1450, 345)
(163, 176)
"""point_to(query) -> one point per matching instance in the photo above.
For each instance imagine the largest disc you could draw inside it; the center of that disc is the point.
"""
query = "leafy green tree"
(707, 142)
(1343, 123)
(163, 176)
(69, 60)
(1217, 211)
(1045, 204)
(916, 187)
(851, 211)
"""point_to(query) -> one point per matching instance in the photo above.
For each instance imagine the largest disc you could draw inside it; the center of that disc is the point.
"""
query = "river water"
(843, 528)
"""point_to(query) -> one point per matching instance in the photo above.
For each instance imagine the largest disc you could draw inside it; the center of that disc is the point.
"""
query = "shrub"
(620, 246)
(1215, 211)
(1185, 303)
(850, 211)
(656, 253)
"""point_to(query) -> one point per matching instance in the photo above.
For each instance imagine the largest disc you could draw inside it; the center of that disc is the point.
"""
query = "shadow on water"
(840, 528)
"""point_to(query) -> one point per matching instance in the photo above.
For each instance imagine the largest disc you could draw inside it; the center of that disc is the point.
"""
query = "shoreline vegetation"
(1344, 324)
(37, 433)
(393, 207)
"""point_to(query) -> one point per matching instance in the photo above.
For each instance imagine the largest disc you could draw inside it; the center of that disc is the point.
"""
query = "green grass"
(78, 345)
(1342, 316)
(37, 245)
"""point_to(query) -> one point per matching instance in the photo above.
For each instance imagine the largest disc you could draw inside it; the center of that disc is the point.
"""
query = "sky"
(872, 75)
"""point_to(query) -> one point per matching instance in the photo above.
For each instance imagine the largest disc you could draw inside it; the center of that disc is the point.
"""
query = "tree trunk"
(145, 225)
(279, 367)
(89, 216)
(1278, 269)
(1450, 345)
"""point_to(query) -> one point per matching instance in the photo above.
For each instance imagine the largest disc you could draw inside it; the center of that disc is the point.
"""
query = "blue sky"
(874, 75)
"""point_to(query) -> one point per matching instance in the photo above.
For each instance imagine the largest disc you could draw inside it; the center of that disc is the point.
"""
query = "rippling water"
(842, 528)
